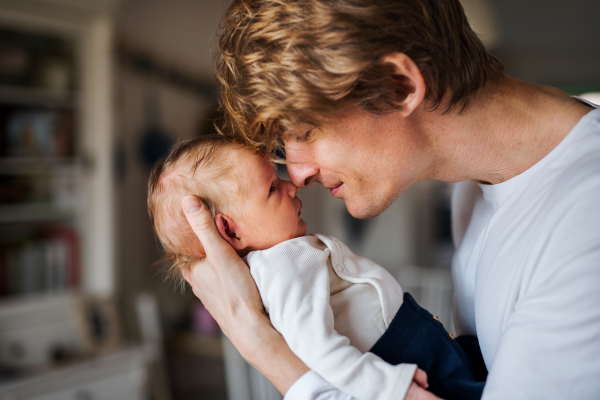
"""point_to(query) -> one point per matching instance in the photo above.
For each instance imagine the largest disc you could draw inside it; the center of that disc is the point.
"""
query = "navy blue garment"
(415, 336)
(470, 345)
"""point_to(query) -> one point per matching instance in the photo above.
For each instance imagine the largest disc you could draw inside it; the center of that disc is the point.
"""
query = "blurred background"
(92, 93)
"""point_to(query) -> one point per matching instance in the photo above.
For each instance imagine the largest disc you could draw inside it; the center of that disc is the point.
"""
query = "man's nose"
(302, 174)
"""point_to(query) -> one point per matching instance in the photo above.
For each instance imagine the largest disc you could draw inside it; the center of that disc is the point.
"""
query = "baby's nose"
(291, 188)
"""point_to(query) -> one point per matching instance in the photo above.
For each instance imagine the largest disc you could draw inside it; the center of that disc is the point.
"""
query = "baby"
(343, 315)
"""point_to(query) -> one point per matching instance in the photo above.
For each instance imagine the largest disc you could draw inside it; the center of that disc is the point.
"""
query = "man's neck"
(505, 130)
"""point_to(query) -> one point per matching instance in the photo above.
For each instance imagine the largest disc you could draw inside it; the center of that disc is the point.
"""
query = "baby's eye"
(272, 189)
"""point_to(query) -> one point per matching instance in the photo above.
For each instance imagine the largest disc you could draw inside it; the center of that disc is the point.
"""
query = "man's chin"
(365, 211)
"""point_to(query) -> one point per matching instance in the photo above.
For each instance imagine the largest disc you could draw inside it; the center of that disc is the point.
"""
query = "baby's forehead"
(250, 169)
(251, 164)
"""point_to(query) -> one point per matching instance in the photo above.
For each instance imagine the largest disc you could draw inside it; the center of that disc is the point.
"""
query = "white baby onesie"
(331, 306)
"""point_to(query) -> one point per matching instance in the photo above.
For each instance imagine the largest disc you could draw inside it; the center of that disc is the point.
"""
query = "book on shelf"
(47, 262)
(56, 187)
(36, 132)
(37, 163)
(36, 61)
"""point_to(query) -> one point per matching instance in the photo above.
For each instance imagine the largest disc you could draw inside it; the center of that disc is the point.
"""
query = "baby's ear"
(230, 231)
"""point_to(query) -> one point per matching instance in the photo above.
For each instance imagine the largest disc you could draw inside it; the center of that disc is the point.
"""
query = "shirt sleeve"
(312, 387)
(551, 346)
(294, 284)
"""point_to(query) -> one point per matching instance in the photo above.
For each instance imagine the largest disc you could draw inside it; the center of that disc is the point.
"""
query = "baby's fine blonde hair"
(202, 167)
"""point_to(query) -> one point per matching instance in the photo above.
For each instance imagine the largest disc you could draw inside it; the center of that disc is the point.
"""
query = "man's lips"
(336, 189)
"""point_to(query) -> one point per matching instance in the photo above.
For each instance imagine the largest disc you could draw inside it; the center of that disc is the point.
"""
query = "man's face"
(366, 159)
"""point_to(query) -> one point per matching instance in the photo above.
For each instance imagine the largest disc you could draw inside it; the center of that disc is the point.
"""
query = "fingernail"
(191, 205)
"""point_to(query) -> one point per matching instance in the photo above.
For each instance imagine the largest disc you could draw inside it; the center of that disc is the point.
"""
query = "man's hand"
(417, 389)
(222, 281)
(420, 378)
(416, 392)
(224, 284)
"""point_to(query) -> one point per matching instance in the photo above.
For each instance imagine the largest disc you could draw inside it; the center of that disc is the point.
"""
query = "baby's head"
(252, 207)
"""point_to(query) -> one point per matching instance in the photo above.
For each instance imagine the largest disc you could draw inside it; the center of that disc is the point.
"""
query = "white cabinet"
(32, 330)
(118, 376)
(118, 387)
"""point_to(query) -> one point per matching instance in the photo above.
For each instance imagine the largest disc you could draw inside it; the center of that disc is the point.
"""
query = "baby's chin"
(302, 228)
(300, 231)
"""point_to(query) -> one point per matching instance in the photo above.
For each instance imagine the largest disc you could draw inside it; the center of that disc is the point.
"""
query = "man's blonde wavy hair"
(284, 62)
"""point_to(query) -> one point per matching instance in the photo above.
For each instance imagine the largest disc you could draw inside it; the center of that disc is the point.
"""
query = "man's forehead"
(323, 124)
(324, 121)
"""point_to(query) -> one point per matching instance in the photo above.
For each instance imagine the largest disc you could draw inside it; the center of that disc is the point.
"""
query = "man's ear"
(408, 79)
(230, 231)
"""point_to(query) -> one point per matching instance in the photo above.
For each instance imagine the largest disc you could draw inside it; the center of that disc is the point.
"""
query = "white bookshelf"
(89, 25)
(110, 371)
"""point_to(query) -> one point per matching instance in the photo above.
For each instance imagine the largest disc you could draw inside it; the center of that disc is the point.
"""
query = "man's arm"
(223, 283)
(312, 387)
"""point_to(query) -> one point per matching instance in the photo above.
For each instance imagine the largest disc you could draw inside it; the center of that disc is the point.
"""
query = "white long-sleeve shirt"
(527, 272)
(527, 276)
(314, 289)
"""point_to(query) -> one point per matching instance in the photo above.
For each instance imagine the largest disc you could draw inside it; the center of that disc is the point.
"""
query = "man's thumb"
(203, 225)
(199, 218)
(191, 204)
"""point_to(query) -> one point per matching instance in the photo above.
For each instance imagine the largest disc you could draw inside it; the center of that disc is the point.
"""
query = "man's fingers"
(203, 226)
(415, 392)
(421, 378)
(187, 275)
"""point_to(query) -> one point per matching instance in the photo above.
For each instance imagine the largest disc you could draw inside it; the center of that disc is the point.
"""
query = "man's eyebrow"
(286, 135)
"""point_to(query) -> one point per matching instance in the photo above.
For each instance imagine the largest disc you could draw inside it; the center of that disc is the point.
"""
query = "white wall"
(177, 32)
(181, 30)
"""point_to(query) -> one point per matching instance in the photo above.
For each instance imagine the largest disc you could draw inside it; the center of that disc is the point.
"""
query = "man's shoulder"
(579, 180)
